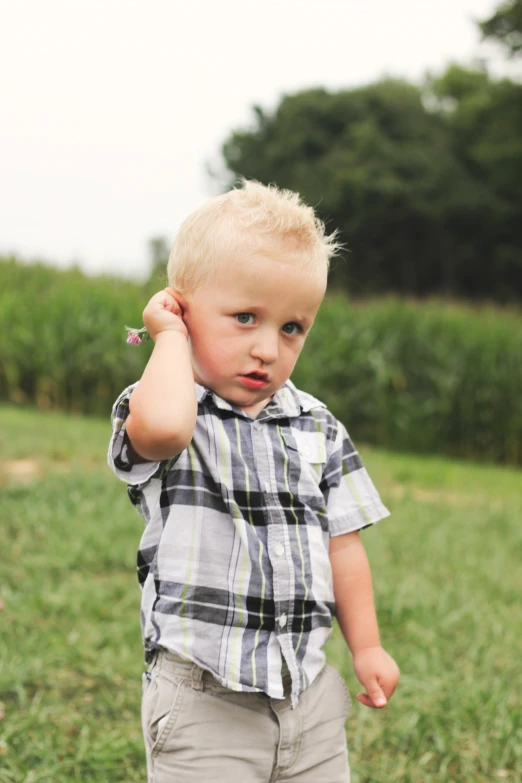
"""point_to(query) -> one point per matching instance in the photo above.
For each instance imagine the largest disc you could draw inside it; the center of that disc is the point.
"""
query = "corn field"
(428, 376)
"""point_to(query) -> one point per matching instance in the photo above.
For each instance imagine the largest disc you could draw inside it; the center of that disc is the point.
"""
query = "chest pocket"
(311, 447)
(306, 452)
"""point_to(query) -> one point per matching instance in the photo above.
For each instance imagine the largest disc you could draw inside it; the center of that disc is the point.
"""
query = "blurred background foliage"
(423, 182)
(419, 343)
(505, 25)
(429, 376)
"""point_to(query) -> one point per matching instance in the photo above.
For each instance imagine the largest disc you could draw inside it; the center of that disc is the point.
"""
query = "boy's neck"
(254, 410)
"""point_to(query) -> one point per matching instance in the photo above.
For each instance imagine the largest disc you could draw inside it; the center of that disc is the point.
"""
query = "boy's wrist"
(164, 334)
(365, 647)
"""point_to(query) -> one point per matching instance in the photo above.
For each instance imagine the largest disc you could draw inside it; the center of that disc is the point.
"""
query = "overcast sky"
(111, 109)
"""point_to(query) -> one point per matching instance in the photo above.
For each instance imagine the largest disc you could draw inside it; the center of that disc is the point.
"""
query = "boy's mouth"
(255, 380)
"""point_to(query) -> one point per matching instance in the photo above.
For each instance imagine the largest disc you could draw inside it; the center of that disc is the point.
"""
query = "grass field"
(448, 578)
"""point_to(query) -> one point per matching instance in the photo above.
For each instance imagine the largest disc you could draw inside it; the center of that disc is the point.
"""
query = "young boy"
(253, 496)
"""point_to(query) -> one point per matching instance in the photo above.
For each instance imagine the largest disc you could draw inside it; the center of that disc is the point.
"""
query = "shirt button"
(279, 550)
(282, 621)
(267, 487)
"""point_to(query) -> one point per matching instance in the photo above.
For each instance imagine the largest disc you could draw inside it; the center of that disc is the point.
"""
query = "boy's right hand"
(164, 313)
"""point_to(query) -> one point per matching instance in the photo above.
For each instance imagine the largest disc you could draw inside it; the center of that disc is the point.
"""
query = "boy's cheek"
(298, 350)
(211, 363)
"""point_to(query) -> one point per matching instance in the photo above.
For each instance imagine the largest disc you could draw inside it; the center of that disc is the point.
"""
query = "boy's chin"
(249, 398)
(240, 397)
(246, 398)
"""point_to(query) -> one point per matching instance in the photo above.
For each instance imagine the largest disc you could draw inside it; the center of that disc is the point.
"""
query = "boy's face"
(248, 326)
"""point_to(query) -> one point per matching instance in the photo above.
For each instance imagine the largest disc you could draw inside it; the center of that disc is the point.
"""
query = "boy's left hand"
(378, 673)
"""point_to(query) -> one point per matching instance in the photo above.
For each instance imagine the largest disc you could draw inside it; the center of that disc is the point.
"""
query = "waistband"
(173, 665)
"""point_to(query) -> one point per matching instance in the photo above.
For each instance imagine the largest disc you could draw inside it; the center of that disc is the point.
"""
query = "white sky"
(111, 109)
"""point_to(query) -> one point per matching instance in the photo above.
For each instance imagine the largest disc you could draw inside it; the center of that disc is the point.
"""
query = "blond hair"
(249, 220)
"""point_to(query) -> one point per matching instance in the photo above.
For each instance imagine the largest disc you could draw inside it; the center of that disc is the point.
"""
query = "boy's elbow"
(157, 442)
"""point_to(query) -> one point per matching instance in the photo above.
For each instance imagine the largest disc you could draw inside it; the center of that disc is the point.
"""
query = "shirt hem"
(235, 687)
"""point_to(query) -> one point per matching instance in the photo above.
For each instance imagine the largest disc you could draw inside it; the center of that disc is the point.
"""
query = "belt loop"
(197, 677)
(153, 661)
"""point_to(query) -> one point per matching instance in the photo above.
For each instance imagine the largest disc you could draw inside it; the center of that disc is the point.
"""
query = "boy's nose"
(265, 348)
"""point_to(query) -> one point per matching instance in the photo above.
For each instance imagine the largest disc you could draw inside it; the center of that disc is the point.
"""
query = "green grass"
(447, 577)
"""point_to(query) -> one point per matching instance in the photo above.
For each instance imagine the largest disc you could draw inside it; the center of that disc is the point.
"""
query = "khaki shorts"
(197, 731)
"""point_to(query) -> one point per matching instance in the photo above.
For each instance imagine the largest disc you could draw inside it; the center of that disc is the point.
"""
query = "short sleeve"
(118, 457)
(352, 501)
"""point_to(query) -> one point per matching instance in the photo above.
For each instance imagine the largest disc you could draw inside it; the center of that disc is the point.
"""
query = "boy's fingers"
(170, 293)
(376, 694)
(365, 699)
(166, 301)
(168, 296)
(176, 296)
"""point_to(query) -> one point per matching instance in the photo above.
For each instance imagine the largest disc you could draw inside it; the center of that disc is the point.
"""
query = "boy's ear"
(180, 299)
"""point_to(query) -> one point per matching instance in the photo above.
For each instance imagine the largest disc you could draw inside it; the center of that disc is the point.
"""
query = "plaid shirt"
(233, 562)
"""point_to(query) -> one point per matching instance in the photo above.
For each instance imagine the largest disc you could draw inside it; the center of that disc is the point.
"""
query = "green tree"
(378, 166)
(484, 119)
(506, 26)
(422, 181)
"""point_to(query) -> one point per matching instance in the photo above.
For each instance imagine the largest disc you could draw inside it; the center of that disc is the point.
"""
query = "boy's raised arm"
(163, 406)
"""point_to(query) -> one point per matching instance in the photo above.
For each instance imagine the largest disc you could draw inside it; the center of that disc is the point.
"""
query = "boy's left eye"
(292, 328)
(245, 318)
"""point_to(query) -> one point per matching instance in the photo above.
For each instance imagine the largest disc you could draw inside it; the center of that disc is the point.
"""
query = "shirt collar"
(288, 402)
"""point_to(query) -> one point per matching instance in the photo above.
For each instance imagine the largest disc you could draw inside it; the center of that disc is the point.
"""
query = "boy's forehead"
(263, 267)
(261, 282)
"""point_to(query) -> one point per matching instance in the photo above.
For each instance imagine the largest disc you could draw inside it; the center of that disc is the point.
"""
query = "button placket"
(275, 524)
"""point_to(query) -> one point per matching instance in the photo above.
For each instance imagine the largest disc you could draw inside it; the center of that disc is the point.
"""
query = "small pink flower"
(133, 338)
(136, 336)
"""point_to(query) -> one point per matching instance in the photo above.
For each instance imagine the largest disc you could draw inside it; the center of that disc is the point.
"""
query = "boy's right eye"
(245, 318)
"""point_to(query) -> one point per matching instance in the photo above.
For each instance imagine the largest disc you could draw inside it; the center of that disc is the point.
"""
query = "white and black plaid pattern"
(233, 562)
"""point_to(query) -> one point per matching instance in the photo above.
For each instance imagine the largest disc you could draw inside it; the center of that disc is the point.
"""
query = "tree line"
(423, 182)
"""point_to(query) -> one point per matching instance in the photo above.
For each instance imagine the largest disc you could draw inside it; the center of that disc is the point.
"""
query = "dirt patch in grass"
(421, 495)
(27, 471)
(21, 471)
